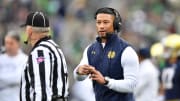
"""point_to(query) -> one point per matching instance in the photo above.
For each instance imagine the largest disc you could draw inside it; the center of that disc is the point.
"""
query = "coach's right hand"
(84, 69)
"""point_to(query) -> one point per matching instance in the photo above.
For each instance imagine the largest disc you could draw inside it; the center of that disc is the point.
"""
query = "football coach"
(110, 62)
(45, 75)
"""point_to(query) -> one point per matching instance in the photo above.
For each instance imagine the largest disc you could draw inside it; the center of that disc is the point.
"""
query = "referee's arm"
(37, 76)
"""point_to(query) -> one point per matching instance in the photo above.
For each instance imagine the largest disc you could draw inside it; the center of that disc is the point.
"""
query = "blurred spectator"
(143, 20)
(171, 74)
(11, 65)
(83, 91)
(147, 87)
(176, 80)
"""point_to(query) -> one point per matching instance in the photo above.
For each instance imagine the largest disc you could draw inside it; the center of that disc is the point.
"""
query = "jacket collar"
(110, 38)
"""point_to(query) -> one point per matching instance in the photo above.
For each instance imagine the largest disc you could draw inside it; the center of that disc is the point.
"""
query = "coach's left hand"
(97, 76)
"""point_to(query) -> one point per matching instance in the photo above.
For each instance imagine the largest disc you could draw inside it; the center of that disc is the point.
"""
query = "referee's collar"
(42, 39)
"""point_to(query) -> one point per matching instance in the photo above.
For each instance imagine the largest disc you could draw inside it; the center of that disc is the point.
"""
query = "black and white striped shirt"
(45, 74)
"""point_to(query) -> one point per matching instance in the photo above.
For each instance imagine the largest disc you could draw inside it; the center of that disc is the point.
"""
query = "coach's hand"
(98, 77)
(85, 69)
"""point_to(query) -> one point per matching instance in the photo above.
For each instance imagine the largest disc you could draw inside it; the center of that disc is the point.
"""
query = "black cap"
(36, 19)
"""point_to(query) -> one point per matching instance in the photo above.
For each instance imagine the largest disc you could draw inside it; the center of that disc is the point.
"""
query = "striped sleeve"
(64, 75)
(39, 71)
(60, 83)
(25, 86)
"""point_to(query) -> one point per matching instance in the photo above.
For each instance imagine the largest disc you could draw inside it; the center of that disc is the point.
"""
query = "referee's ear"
(29, 30)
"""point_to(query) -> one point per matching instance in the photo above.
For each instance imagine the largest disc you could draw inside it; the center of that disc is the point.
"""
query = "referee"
(45, 75)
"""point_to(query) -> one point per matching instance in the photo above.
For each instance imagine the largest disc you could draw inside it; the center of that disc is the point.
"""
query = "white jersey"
(10, 75)
(83, 91)
(147, 87)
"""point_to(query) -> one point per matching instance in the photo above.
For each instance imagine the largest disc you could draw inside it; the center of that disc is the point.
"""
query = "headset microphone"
(26, 42)
(108, 35)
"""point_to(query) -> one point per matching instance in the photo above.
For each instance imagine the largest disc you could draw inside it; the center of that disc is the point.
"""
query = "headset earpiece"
(117, 21)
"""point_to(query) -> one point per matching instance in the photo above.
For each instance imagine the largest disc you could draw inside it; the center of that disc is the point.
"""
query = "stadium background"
(73, 26)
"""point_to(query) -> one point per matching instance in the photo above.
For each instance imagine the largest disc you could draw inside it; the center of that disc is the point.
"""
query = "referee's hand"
(85, 69)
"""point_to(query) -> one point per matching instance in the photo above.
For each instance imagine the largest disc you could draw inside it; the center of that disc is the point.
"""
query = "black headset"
(117, 24)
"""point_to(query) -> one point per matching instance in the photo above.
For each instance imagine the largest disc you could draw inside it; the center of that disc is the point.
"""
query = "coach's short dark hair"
(104, 10)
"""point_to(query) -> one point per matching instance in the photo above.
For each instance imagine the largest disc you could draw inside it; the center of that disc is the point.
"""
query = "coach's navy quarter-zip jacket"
(107, 60)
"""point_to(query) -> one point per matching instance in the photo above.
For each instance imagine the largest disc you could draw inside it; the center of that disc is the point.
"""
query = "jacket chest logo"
(111, 54)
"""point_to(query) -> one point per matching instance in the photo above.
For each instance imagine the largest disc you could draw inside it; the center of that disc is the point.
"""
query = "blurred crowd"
(146, 24)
